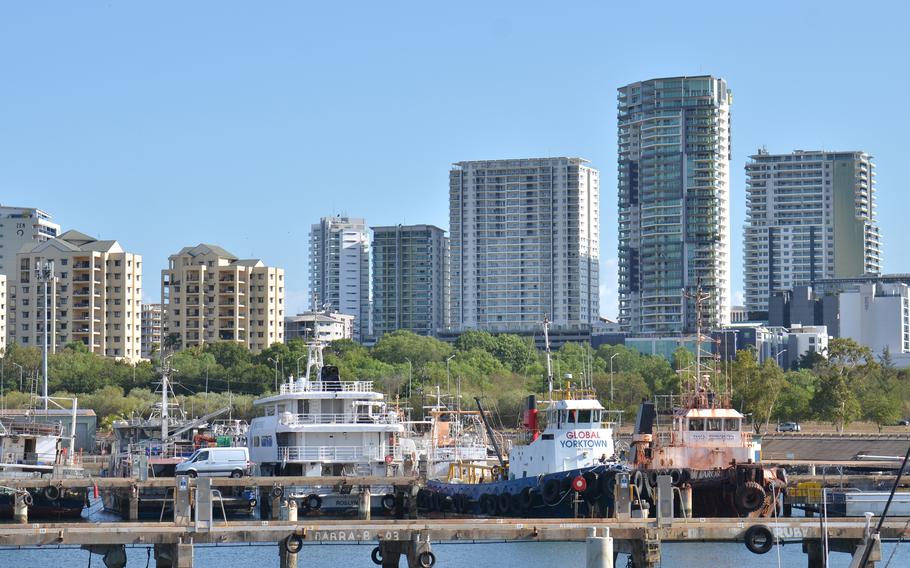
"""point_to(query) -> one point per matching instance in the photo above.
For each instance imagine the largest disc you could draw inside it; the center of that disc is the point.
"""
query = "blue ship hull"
(546, 496)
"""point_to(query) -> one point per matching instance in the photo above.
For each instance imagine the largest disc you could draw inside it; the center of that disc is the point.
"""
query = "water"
(501, 555)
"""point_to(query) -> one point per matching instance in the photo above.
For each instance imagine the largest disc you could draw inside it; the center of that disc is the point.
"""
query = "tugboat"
(32, 449)
(706, 451)
(331, 427)
(568, 470)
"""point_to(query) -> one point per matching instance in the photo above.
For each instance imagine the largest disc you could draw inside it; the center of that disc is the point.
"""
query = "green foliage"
(757, 387)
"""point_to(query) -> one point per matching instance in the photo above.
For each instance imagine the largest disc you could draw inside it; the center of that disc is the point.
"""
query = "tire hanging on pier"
(426, 559)
(376, 556)
(758, 539)
(293, 544)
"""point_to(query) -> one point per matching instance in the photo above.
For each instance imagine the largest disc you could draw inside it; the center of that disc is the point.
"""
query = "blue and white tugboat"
(567, 470)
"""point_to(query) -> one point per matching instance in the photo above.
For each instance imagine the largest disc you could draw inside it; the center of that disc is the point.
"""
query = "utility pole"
(44, 273)
(611, 376)
(275, 361)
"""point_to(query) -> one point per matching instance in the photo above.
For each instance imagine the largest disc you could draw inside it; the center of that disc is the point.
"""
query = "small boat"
(320, 425)
(706, 450)
(31, 449)
(567, 470)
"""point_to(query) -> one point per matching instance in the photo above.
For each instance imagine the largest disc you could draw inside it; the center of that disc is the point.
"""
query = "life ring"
(277, 491)
(750, 497)
(376, 556)
(504, 503)
(426, 559)
(293, 544)
(388, 502)
(580, 484)
(758, 539)
(552, 491)
(51, 492)
(389, 459)
(313, 502)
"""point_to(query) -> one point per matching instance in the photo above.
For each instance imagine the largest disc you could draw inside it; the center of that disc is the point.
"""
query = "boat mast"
(164, 415)
(546, 339)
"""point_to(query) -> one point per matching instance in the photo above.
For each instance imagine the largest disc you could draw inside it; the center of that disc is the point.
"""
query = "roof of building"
(73, 241)
(203, 248)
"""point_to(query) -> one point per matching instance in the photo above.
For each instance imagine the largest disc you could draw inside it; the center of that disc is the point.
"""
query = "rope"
(89, 559)
(148, 556)
(899, 541)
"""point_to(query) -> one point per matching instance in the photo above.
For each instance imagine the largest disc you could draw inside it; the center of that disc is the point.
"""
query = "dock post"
(286, 559)
(276, 506)
(599, 550)
(292, 510)
(133, 513)
(646, 552)
(814, 553)
(365, 500)
(20, 508)
(183, 551)
(390, 551)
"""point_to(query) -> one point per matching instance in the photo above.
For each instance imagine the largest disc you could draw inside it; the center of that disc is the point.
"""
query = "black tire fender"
(426, 559)
(277, 491)
(750, 497)
(388, 502)
(504, 503)
(52, 492)
(293, 544)
(488, 505)
(592, 479)
(525, 499)
(314, 502)
(758, 539)
(552, 491)
(28, 499)
(376, 556)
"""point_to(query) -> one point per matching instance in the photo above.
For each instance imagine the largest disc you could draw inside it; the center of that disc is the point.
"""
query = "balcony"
(326, 386)
(338, 418)
(334, 453)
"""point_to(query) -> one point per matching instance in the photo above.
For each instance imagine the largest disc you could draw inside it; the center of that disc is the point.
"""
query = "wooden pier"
(413, 539)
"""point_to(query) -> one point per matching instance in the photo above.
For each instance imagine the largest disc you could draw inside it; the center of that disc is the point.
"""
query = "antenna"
(546, 340)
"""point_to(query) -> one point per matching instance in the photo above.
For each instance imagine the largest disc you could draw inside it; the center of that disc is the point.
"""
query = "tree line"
(848, 385)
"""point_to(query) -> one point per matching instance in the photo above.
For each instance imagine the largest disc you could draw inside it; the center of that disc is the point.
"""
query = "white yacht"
(319, 425)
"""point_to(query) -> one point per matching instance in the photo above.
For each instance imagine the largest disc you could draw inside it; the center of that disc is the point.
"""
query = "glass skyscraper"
(674, 203)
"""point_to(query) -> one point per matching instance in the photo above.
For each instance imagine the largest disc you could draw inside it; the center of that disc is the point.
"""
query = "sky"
(167, 124)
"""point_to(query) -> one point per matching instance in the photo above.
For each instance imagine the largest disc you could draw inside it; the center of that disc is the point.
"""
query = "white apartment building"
(877, 315)
(151, 325)
(811, 215)
(20, 226)
(208, 295)
(340, 270)
(2, 314)
(674, 204)
(324, 326)
(524, 244)
(95, 296)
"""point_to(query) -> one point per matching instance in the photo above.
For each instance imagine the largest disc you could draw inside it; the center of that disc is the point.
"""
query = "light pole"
(298, 365)
(410, 368)
(275, 361)
(777, 357)
(449, 374)
(44, 273)
(611, 376)
(20, 375)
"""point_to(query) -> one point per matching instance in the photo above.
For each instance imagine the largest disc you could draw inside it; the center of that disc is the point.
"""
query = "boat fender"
(652, 477)
(460, 503)
(580, 484)
(750, 496)
(488, 504)
(388, 502)
(525, 499)
(276, 491)
(593, 487)
(376, 556)
(758, 539)
(426, 559)
(566, 484)
(28, 499)
(314, 502)
(52, 492)
(608, 483)
(293, 544)
(423, 501)
(504, 503)
(675, 477)
(435, 501)
(552, 490)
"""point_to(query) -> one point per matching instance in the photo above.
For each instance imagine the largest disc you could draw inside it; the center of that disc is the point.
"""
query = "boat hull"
(69, 505)
(528, 497)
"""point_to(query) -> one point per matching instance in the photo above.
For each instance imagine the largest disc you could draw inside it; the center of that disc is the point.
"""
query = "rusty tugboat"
(713, 461)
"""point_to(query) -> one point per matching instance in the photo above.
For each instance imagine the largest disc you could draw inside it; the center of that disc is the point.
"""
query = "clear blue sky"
(166, 124)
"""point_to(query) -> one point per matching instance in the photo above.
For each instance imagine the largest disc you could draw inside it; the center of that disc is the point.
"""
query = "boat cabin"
(578, 434)
(704, 438)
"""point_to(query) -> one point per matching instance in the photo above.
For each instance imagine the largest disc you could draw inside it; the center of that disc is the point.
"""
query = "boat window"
(270, 411)
(255, 441)
(597, 418)
(572, 414)
(584, 416)
(266, 441)
(715, 424)
(731, 424)
(696, 424)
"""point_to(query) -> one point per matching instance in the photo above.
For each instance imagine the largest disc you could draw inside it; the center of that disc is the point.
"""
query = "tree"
(401, 346)
(795, 400)
(228, 353)
(756, 386)
(840, 377)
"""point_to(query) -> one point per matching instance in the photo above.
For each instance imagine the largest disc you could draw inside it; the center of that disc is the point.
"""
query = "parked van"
(234, 462)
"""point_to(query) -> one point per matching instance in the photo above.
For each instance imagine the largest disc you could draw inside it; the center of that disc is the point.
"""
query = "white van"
(234, 462)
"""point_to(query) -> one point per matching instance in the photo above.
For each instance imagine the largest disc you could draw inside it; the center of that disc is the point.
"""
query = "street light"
(275, 360)
(44, 273)
(777, 357)
(298, 365)
(409, 376)
(611, 376)
(448, 374)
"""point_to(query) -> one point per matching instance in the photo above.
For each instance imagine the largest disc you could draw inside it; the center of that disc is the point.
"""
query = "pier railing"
(338, 418)
(335, 453)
